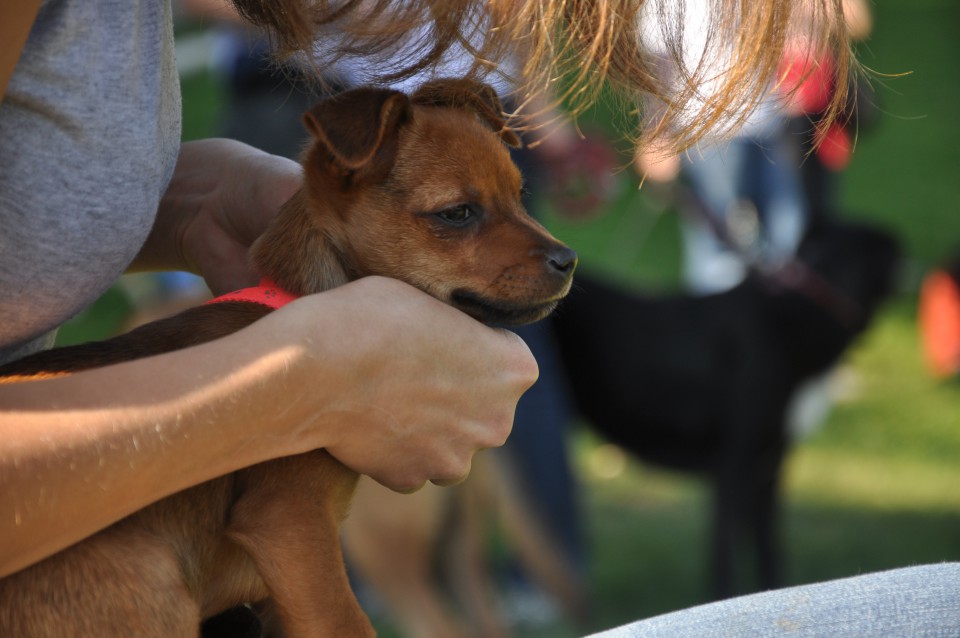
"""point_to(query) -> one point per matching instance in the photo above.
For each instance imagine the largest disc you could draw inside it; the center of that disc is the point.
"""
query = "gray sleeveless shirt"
(89, 134)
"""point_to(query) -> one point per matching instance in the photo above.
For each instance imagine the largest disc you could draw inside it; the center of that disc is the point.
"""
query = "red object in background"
(811, 81)
(836, 148)
(939, 323)
(812, 84)
(583, 180)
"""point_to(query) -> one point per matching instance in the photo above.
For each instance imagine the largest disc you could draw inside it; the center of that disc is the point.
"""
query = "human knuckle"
(498, 431)
(408, 487)
(450, 471)
(405, 483)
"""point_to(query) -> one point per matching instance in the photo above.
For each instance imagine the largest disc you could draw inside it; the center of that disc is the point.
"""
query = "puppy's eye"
(458, 215)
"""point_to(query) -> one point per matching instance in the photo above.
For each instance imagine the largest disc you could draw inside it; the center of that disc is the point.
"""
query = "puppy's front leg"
(287, 517)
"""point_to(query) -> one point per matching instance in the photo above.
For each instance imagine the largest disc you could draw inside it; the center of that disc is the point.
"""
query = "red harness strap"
(266, 294)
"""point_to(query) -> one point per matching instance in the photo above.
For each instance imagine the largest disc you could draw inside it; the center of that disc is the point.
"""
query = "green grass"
(904, 171)
(877, 487)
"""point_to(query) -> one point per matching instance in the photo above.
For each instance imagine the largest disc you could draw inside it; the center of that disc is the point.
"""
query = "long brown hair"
(570, 49)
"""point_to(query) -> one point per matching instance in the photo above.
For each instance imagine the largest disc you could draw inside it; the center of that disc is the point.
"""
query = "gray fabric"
(43, 342)
(89, 134)
(915, 602)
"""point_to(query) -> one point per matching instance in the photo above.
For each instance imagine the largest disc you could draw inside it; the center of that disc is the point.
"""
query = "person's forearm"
(333, 370)
(78, 453)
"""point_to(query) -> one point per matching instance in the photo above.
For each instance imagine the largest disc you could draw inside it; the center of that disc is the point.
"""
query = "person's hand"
(222, 196)
(392, 382)
(421, 388)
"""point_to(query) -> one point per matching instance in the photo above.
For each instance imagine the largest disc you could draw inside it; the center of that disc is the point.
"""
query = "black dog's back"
(667, 366)
(703, 383)
(646, 371)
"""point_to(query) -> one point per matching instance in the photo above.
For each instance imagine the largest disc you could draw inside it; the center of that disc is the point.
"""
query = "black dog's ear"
(357, 125)
(469, 94)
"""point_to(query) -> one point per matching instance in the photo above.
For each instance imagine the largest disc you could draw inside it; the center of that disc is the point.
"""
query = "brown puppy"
(418, 188)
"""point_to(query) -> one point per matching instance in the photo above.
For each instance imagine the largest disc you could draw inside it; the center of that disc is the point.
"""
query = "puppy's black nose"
(562, 259)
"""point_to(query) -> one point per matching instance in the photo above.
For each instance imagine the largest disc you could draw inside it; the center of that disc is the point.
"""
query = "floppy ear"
(358, 128)
(469, 94)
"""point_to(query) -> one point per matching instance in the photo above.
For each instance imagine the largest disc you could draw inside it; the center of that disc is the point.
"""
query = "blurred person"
(811, 87)
(747, 196)
(750, 189)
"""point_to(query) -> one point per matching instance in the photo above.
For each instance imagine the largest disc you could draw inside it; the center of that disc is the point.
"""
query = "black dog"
(702, 384)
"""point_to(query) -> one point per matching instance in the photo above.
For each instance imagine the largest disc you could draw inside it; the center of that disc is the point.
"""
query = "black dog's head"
(858, 261)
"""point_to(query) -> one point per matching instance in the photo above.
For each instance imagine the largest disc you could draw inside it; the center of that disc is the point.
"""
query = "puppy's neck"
(298, 252)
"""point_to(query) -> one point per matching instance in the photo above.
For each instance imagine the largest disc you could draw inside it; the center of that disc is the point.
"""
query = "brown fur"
(383, 166)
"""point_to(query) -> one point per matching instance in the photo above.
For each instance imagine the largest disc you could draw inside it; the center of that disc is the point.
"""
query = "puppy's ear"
(358, 125)
(469, 94)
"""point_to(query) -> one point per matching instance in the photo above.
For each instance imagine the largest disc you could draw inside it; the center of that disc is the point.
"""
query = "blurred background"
(877, 485)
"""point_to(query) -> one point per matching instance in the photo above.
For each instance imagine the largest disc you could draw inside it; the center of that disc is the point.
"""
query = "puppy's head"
(421, 188)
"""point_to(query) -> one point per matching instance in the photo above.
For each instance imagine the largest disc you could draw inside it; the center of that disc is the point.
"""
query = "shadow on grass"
(825, 542)
(649, 553)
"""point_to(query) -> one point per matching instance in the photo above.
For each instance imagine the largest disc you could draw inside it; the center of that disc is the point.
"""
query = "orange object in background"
(939, 323)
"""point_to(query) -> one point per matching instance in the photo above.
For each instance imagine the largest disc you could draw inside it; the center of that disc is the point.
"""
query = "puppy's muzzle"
(542, 291)
(561, 261)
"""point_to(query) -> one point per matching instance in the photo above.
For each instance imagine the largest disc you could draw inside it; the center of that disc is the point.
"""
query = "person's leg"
(911, 602)
(709, 266)
(538, 444)
(772, 180)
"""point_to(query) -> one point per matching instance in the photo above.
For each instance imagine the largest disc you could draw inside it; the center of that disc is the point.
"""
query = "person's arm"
(393, 383)
(16, 18)
(859, 18)
(392, 394)
(656, 160)
(220, 199)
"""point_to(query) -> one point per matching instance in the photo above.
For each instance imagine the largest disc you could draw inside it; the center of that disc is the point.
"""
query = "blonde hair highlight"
(571, 50)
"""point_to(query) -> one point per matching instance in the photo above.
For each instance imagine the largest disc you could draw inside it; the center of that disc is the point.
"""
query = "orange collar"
(266, 294)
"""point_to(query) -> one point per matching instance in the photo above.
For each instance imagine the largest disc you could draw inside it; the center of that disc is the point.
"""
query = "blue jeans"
(761, 171)
(914, 602)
